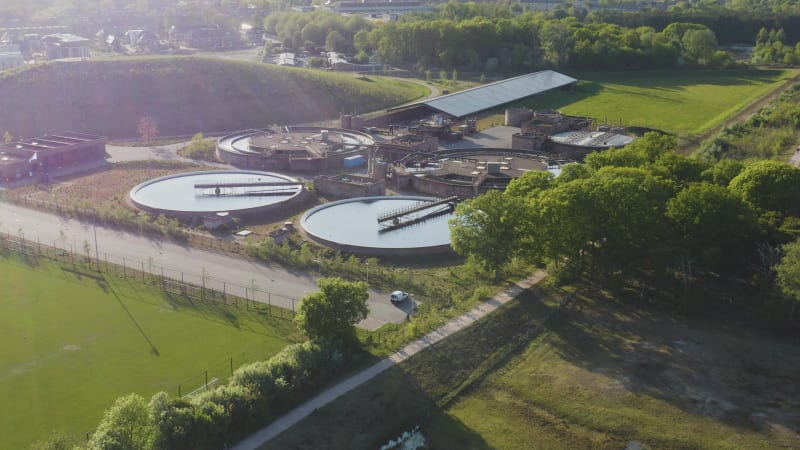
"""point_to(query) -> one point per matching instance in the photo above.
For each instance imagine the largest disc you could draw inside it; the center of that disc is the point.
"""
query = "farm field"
(600, 376)
(675, 101)
(73, 340)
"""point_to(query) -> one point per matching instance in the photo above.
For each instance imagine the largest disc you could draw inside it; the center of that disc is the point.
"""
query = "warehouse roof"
(488, 96)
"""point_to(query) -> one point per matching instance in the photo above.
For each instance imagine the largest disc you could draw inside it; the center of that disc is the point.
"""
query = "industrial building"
(47, 154)
(64, 45)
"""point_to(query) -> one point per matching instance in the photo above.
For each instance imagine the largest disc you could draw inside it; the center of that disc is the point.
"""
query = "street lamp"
(411, 302)
(366, 263)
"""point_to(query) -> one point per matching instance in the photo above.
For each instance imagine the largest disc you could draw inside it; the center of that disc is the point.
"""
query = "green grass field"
(74, 340)
(677, 101)
(598, 378)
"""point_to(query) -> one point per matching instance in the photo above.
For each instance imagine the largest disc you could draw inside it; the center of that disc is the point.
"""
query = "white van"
(398, 296)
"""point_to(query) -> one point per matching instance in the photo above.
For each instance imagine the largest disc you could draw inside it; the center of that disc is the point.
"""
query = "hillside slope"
(184, 94)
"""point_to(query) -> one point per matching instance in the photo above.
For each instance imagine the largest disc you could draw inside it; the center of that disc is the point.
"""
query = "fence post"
(124, 270)
(231, 365)
(179, 391)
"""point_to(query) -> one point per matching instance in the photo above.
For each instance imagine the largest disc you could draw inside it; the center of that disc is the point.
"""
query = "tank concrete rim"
(144, 206)
(367, 248)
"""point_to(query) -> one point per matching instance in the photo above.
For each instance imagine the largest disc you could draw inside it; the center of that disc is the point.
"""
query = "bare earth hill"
(184, 95)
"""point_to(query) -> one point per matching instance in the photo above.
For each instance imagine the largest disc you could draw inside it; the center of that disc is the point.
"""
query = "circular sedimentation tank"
(208, 192)
(352, 225)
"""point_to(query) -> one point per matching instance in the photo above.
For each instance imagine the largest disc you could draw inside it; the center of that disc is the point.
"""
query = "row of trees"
(255, 393)
(770, 48)
(640, 211)
(499, 42)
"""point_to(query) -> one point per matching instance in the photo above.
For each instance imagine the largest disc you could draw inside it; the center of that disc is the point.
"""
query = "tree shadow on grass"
(721, 370)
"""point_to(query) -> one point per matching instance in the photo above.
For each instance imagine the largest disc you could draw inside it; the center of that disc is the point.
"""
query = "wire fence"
(199, 287)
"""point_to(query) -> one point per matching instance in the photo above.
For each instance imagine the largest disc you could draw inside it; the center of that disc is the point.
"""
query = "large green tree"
(333, 311)
(769, 186)
(126, 425)
(713, 225)
(488, 228)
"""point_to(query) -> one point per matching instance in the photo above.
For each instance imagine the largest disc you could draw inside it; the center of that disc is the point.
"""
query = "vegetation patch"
(74, 340)
(675, 101)
(597, 375)
(182, 95)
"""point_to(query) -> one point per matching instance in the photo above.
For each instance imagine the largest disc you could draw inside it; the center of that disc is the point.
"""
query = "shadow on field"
(153, 349)
(208, 309)
(719, 369)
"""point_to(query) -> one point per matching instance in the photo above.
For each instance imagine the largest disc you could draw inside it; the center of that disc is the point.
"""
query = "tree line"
(644, 215)
(501, 42)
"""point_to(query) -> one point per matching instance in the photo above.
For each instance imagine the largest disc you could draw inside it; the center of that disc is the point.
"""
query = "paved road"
(274, 284)
(277, 427)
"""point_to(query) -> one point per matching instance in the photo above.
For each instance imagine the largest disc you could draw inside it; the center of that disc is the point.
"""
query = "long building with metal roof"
(472, 101)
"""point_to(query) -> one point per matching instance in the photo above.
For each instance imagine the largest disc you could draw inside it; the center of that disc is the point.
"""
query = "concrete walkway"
(280, 425)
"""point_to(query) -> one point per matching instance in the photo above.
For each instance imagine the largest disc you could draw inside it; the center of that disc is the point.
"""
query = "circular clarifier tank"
(198, 193)
(353, 225)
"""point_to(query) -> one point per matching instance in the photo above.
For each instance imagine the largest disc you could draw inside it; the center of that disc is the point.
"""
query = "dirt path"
(741, 116)
(280, 425)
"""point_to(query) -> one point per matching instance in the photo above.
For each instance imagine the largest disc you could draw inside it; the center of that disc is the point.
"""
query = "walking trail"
(277, 427)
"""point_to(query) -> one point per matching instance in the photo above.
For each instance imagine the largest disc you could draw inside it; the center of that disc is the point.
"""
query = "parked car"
(399, 296)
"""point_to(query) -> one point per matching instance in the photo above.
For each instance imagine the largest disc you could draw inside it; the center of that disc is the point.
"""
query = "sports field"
(676, 101)
(73, 340)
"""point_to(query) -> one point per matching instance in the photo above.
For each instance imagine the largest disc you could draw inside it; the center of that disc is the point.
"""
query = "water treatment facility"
(382, 226)
(196, 195)
(295, 149)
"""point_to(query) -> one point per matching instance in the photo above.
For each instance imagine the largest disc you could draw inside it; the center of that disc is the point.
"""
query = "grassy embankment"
(685, 102)
(184, 95)
(74, 340)
(596, 377)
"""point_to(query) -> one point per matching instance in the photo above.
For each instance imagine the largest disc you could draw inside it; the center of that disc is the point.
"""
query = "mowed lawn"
(676, 101)
(73, 340)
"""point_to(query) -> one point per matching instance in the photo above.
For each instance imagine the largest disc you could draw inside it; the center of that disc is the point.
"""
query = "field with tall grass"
(73, 340)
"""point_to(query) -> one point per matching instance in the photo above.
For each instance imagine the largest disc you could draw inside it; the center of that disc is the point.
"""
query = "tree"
(148, 128)
(334, 310)
(488, 228)
(700, 44)
(769, 186)
(335, 42)
(713, 224)
(126, 425)
(788, 272)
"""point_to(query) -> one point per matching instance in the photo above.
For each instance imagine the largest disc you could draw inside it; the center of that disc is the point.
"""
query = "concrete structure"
(64, 45)
(203, 195)
(465, 173)
(549, 123)
(349, 185)
(402, 146)
(10, 56)
(295, 149)
(42, 155)
(393, 225)
(517, 116)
